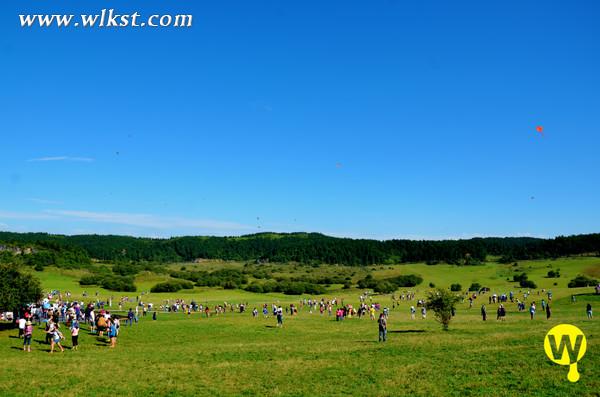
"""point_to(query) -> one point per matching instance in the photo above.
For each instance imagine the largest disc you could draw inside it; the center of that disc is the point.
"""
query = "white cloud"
(25, 215)
(43, 201)
(63, 158)
(150, 221)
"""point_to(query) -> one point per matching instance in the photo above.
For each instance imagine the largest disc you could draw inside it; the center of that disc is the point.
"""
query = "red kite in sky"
(540, 129)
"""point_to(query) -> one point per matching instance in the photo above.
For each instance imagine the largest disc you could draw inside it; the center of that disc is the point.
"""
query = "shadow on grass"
(5, 326)
(407, 331)
(270, 326)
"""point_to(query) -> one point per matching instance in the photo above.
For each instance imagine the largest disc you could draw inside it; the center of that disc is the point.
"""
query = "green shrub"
(254, 287)
(527, 284)
(229, 285)
(91, 280)
(118, 283)
(520, 277)
(409, 280)
(126, 269)
(172, 286)
(443, 304)
(475, 287)
(456, 287)
(582, 281)
(385, 287)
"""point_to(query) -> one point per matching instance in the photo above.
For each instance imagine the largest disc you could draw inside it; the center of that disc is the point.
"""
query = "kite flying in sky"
(540, 129)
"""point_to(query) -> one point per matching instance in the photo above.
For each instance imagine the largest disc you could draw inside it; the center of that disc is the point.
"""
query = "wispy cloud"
(3, 225)
(151, 221)
(63, 158)
(43, 201)
(25, 215)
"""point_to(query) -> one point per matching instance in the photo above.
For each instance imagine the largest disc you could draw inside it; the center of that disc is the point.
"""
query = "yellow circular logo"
(565, 344)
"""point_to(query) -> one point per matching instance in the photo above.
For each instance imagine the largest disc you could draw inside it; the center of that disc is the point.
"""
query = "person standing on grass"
(280, 317)
(588, 309)
(55, 336)
(548, 312)
(75, 334)
(22, 323)
(423, 312)
(117, 324)
(483, 312)
(532, 310)
(412, 312)
(27, 335)
(130, 316)
(112, 333)
(92, 316)
(502, 313)
(101, 324)
(382, 328)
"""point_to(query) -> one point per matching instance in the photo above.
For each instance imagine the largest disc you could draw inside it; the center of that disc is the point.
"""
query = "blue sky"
(383, 119)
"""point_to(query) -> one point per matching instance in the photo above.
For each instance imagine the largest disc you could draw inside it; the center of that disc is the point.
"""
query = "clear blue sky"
(380, 119)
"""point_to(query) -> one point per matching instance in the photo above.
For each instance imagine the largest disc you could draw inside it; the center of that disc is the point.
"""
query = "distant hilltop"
(306, 248)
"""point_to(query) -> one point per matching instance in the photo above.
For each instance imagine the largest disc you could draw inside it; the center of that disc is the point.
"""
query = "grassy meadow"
(314, 355)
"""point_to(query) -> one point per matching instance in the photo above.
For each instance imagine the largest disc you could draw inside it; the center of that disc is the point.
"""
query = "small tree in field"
(17, 289)
(442, 303)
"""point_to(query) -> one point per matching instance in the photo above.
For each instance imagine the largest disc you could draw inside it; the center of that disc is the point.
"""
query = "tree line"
(306, 248)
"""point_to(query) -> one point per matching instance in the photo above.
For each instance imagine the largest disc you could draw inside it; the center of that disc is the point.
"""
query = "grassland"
(313, 355)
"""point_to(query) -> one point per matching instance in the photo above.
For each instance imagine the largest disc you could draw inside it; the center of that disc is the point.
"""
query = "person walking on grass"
(22, 321)
(548, 311)
(55, 336)
(101, 325)
(588, 309)
(112, 333)
(423, 312)
(412, 312)
(92, 317)
(532, 310)
(27, 335)
(501, 313)
(382, 328)
(279, 317)
(75, 334)
(483, 312)
(130, 316)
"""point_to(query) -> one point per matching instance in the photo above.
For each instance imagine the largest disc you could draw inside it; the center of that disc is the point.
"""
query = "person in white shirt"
(22, 322)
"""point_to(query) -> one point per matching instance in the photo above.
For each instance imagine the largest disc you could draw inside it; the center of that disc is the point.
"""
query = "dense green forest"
(298, 247)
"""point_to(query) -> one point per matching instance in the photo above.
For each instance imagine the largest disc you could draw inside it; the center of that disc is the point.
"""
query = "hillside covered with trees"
(297, 247)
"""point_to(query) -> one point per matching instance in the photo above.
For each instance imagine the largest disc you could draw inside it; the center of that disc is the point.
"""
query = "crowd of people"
(58, 313)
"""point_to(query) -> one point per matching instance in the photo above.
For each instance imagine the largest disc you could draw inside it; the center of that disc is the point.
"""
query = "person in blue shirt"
(112, 333)
(130, 317)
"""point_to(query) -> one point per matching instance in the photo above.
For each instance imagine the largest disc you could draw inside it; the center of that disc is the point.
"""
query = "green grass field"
(313, 355)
